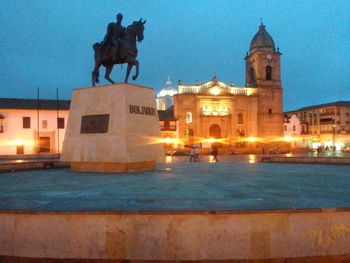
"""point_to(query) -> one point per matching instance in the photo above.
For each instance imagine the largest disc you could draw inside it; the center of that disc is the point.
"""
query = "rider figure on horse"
(118, 47)
(112, 41)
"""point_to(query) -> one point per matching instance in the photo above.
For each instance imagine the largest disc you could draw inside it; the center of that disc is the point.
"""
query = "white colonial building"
(293, 131)
(29, 126)
(292, 126)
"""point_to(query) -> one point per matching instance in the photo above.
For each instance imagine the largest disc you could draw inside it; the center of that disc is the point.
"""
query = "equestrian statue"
(118, 47)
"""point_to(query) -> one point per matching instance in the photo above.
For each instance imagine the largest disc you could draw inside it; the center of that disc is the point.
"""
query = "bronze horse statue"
(127, 53)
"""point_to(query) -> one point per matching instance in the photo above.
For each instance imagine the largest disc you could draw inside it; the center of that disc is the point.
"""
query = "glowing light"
(215, 91)
(288, 139)
(327, 144)
(168, 140)
(315, 145)
(211, 159)
(251, 139)
(168, 159)
(288, 154)
(211, 140)
(19, 161)
(18, 142)
(252, 158)
(339, 145)
(216, 110)
(167, 92)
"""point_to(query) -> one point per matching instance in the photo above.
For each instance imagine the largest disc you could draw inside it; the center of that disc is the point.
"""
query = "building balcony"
(236, 91)
(327, 114)
(326, 121)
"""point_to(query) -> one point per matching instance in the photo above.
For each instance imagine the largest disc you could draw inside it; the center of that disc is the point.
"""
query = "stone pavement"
(235, 183)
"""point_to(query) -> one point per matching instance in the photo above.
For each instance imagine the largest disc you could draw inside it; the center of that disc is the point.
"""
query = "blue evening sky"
(48, 44)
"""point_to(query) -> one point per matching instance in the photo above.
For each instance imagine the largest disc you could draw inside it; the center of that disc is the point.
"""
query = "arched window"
(188, 117)
(162, 106)
(268, 73)
(240, 118)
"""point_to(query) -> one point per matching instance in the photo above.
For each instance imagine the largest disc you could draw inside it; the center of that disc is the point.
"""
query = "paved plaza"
(236, 183)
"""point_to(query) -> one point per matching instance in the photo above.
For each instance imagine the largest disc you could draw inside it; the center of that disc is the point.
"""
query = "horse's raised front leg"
(137, 70)
(130, 64)
(108, 72)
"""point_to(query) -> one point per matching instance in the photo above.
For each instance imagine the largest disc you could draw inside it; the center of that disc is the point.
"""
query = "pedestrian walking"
(196, 153)
(214, 153)
(192, 154)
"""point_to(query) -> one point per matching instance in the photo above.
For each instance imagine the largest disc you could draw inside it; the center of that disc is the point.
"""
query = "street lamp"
(334, 136)
(168, 144)
(1, 127)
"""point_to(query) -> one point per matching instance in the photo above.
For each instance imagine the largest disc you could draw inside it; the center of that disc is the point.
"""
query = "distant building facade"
(325, 124)
(292, 126)
(21, 132)
(235, 116)
(294, 131)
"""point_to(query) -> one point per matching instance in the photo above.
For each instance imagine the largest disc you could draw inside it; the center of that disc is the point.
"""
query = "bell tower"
(263, 72)
(263, 61)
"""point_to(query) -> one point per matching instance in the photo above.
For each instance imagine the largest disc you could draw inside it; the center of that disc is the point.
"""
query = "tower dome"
(168, 90)
(262, 39)
(165, 96)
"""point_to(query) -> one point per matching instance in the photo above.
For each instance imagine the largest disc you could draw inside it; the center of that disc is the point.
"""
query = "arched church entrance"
(215, 131)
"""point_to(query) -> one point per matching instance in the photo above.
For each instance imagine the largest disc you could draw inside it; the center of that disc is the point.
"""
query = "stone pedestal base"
(114, 129)
(113, 167)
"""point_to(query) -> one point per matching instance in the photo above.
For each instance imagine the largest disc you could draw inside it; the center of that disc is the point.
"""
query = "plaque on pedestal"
(113, 128)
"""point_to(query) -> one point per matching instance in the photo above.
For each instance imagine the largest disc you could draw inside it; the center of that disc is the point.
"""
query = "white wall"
(293, 121)
(14, 134)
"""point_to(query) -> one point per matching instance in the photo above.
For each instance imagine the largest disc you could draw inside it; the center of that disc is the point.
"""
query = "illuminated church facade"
(233, 116)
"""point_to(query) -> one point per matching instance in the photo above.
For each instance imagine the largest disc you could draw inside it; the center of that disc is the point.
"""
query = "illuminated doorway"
(44, 144)
(215, 131)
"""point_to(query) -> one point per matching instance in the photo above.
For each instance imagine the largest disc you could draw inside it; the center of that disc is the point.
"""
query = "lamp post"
(1, 127)
(334, 137)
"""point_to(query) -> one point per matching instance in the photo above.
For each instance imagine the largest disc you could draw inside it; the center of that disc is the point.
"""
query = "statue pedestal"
(113, 128)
